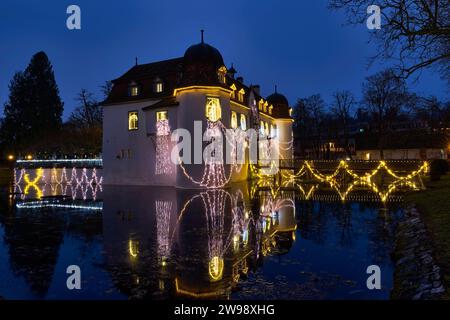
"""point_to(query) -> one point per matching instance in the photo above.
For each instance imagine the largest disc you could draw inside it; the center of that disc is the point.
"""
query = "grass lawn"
(434, 204)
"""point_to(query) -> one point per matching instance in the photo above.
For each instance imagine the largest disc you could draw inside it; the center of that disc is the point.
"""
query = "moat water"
(164, 243)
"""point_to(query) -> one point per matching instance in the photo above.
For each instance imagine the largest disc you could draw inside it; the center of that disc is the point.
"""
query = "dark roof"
(198, 66)
(145, 76)
(166, 102)
(158, 68)
(280, 105)
(277, 99)
(203, 53)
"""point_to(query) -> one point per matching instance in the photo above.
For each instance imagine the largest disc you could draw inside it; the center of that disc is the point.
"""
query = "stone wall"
(416, 274)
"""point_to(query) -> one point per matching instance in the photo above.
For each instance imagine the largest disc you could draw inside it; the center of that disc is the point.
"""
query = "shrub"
(438, 167)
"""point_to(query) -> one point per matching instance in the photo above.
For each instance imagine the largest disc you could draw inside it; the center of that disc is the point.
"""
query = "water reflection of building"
(169, 242)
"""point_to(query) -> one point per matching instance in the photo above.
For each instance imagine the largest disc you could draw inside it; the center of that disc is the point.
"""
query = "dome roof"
(201, 63)
(280, 104)
(277, 99)
(203, 53)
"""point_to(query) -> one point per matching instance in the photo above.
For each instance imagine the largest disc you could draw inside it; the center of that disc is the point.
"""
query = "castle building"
(150, 101)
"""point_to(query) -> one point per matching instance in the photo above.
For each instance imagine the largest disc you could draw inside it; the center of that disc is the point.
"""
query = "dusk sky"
(301, 46)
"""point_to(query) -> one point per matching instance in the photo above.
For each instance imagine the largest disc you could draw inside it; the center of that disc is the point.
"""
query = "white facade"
(139, 154)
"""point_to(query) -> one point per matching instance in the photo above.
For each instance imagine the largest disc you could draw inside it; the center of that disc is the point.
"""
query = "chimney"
(240, 79)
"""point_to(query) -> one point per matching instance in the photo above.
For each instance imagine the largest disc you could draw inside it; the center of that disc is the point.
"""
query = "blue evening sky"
(299, 45)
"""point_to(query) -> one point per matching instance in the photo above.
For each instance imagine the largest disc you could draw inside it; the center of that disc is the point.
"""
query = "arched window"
(213, 111)
(132, 120)
(273, 131)
(243, 122)
(261, 127)
(234, 123)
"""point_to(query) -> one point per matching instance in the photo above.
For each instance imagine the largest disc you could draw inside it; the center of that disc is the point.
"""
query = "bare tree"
(106, 88)
(309, 119)
(342, 106)
(88, 113)
(414, 32)
(384, 95)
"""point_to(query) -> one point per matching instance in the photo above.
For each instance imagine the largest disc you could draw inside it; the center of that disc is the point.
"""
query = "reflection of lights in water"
(163, 213)
(216, 268)
(133, 248)
(214, 205)
(58, 204)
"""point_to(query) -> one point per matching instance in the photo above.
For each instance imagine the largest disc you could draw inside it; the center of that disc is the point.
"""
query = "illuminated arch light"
(216, 269)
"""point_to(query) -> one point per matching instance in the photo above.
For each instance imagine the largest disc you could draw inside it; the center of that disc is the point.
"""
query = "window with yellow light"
(241, 95)
(161, 115)
(132, 120)
(243, 122)
(234, 123)
(213, 110)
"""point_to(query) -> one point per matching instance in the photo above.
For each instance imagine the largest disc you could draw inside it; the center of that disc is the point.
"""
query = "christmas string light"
(163, 214)
(163, 160)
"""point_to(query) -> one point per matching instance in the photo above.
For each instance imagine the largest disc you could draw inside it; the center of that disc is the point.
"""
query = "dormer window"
(134, 89)
(265, 106)
(261, 103)
(233, 91)
(221, 74)
(270, 109)
(241, 95)
(159, 87)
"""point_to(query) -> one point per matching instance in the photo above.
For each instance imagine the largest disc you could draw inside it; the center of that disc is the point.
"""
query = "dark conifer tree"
(34, 109)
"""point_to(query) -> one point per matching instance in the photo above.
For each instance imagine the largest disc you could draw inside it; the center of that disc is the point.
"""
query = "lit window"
(233, 120)
(261, 103)
(265, 106)
(134, 90)
(290, 112)
(132, 120)
(243, 122)
(233, 91)
(159, 87)
(273, 131)
(221, 74)
(267, 129)
(213, 110)
(241, 95)
(261, 127)
(161, 115)
(162, 123)
(270, 109)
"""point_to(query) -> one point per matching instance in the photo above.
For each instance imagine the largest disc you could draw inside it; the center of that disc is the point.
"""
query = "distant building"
(402, 145)
(151, 100)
